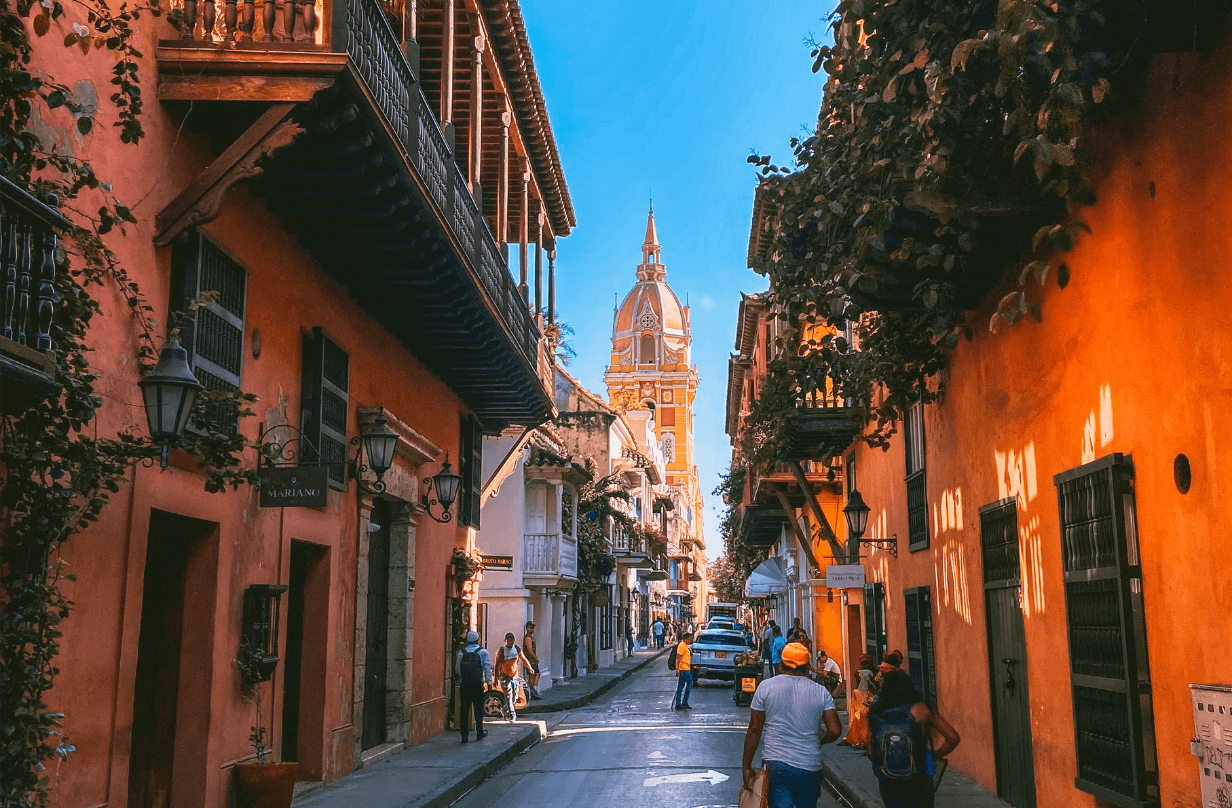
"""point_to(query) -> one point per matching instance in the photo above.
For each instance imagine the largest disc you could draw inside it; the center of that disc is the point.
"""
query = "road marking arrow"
(709, 776)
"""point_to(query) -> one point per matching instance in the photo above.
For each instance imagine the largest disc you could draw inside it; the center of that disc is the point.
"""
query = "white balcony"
(548, 559)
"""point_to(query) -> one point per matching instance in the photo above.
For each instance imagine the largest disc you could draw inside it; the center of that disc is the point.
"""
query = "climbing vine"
(58, 471)
(952, 156)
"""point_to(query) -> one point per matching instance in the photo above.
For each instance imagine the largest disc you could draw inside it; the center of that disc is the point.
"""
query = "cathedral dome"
(651, 327)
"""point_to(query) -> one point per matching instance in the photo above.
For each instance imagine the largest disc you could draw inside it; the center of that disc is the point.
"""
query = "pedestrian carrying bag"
(472, 668)
(894, 744)
(759, 795)
(671, 659)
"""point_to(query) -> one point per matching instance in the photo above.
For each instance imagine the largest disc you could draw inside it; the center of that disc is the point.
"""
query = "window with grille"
(214, 336)
(324, 405)
(875, 642)
(917, 499)
(921, 666)
(999, 542)
(470, 466)
(1109, 670)
(851, 473)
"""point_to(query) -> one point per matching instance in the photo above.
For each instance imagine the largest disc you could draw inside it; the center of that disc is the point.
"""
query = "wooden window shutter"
(324, 405)
(920, 663)
(875, 642)
(214, 337)
(471, 469)
(917, 486)
(1109, 670)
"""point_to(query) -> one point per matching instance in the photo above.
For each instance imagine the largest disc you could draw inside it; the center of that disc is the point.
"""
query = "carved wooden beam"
(806, 543)
(823, 524)
(202, 200)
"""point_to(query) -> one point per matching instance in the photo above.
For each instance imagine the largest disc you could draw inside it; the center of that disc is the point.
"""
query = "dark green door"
(376, 652)
(1007, 654)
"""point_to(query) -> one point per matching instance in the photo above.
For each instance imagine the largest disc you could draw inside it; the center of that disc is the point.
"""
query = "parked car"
(720, 624)
(715, 652)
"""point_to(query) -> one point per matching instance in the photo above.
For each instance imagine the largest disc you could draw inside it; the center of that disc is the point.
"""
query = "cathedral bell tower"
(651, 368)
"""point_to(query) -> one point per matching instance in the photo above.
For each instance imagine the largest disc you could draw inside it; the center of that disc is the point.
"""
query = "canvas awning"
(767, 579)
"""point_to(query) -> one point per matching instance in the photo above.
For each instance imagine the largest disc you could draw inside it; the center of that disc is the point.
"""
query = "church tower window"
(647, 351)
(669, 447)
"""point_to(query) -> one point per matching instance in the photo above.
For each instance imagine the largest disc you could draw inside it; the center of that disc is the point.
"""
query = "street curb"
(449, 793)
(852, 793)
(587, 698)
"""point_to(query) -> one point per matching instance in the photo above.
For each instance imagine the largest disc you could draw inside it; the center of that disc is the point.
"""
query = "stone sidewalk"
(436, 773)
(850, 774)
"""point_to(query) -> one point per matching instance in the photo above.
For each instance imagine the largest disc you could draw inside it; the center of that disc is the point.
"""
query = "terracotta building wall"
(1132, 356)
(287, 295)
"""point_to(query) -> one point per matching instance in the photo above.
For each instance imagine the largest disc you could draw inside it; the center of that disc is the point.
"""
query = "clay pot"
(265, 785)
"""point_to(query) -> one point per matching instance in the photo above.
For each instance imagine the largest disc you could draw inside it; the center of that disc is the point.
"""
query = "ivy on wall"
(58, 472)
(952, 157)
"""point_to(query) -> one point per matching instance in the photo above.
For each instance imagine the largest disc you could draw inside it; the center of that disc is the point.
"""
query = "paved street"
(630, 748)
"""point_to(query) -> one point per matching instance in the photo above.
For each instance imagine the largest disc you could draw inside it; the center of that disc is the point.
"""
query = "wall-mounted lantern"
(169, 392)
(445, 485)
(856, 513)
(378, 444)
(259, 633)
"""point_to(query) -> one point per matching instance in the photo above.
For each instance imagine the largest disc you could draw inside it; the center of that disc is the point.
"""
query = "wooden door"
(1007, 654)
(376, 652)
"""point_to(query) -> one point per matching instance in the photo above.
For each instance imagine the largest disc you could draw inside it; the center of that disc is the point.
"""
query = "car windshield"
(728, 638)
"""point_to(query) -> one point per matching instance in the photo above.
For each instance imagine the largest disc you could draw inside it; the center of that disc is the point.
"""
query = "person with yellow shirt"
(684, 670)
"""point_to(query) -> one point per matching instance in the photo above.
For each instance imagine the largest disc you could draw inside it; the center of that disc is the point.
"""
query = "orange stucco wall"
(1132, 356)
(287, 295)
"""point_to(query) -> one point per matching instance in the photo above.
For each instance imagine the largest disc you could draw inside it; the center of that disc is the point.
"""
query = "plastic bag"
(759, 795)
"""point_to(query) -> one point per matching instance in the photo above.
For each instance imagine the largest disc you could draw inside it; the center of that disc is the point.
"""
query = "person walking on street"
(902, 727)
(658, 632)
(528, 648)
(684, 670)
(795, 717)
(473, 668)
(776, 649)
(510, 662)
(767, 638)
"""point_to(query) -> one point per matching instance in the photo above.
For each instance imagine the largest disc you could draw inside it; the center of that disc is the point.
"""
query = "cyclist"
(510, 663)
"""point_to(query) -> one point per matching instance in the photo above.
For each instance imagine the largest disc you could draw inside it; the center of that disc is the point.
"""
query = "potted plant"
(263, 784)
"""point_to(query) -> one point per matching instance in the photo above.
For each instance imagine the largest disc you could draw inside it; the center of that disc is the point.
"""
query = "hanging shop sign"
(497, 562)
(294, 486)
(845, 576)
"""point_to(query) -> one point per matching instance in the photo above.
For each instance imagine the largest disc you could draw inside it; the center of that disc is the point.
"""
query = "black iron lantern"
(445, 484)
(169, 392)
(379, 444)
(856, 514)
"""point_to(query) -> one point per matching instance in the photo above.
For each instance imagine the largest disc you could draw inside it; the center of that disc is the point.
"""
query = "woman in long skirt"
(857, 733)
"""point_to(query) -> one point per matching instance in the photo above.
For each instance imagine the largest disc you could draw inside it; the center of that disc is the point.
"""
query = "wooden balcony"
(332, 130)
(823, 426)
(761, 525)
(766, 487)
(28, 233)
(548, 559)
(629, 551)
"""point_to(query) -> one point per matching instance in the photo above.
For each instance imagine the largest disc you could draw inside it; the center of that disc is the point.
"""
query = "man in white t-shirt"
(831, 673)
(794, 716)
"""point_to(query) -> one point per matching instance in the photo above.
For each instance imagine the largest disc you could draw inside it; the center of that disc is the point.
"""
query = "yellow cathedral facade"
(651, 369)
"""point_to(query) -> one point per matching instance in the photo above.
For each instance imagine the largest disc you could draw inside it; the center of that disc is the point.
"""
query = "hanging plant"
(952, 156)
(466, 563)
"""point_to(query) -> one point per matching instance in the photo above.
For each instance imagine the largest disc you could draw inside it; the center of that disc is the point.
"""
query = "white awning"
(767, 579)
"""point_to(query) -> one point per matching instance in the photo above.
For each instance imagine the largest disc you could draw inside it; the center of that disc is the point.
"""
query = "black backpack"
(472, 668)
(671, 658)
(897, 745)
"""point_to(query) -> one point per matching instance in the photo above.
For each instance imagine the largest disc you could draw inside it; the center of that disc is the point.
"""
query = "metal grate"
(219, 341)
(999, 539)
(1110, 671)
(218, 418)
(917, 511)
(222, 274)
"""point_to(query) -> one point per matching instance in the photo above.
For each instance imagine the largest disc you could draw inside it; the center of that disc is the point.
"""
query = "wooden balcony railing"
(548, 554)
(362, 29)
(28, 233)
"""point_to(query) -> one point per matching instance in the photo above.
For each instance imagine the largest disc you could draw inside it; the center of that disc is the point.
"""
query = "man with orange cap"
(794, 716)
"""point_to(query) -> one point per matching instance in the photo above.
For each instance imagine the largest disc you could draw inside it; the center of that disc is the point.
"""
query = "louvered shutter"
(917, 486)
(1109, 669)
(471, 469)
(214, 337)
(324, 405)
(874, 620)
(920, 663)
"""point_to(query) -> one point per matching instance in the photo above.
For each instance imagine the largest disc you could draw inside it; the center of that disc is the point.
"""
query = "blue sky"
(670, 96)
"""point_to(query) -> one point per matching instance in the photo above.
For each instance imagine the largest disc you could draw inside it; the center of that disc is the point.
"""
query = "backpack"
(897, 744)
(472, 668)
(671, 658)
